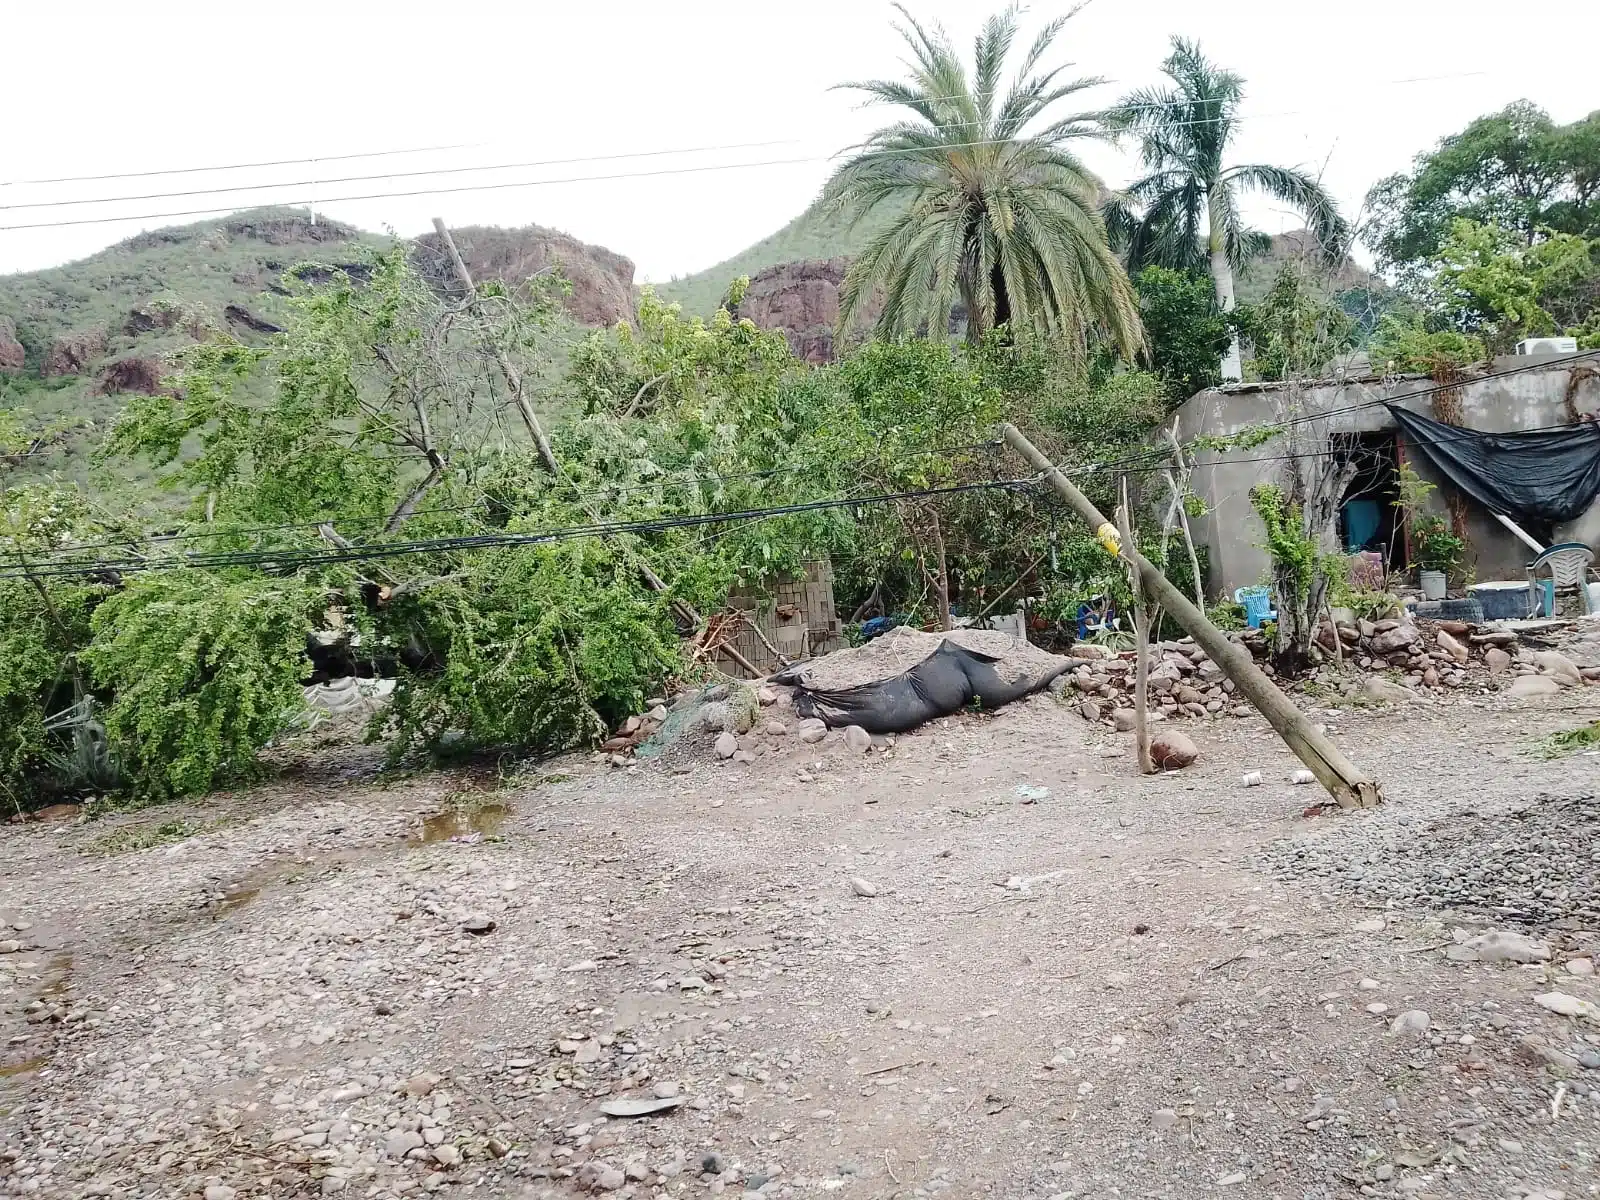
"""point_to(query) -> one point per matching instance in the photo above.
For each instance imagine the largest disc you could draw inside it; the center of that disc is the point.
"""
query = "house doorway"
(1370, 520)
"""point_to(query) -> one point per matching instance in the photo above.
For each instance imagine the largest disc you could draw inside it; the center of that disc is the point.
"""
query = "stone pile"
(1184, 682)
(1392, 660)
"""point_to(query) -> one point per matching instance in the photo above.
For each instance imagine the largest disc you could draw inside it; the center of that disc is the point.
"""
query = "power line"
(280, 560)
(279, 162)
(316, 183)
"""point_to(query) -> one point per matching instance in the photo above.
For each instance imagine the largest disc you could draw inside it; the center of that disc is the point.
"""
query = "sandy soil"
(1116, 989)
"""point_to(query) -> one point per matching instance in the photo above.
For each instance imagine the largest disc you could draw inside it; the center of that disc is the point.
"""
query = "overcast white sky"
(100, 88)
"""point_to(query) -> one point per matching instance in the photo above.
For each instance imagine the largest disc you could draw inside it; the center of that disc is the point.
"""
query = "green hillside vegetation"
(148, 297)
(819, 232)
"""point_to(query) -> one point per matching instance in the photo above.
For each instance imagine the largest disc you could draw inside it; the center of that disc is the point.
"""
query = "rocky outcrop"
(12, 354)
(287, 229)
(135, 374)
(238, 314)
(801, 299)
(72, 352)
(148, 318)
(602, 282)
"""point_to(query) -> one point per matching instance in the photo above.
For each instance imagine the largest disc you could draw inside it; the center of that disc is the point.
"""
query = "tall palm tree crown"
(1184, 131)
(992, 210)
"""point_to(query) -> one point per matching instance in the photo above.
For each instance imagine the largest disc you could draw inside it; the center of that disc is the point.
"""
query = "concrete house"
(1346, 417)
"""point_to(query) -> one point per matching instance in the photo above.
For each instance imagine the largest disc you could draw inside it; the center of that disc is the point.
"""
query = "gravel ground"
(915, 975)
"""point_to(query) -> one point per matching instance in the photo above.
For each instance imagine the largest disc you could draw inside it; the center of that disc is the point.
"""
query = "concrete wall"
(1532, 399)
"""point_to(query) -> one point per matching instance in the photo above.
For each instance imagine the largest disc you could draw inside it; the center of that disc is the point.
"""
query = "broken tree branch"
(1350, 787)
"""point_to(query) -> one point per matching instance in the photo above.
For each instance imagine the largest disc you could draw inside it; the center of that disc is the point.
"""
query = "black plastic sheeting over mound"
(947, 681)
(1544, 475)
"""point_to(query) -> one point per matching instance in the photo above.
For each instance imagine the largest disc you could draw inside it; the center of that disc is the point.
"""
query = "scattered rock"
(1171, 750)
(1401, 637)
(1371, 925)
(1089, 710)
(744, 757)
(1123, 719)
(666, 1089)
(1413, 1021)
(641, 1107)
(1164, 1119)
(1386, 691)
(1450, 646)
(1558, 667)
(1537, 1050)
(1498, 660)
(857, 739)
(219, 1191)
(811, 731)
(1500, 946)
(863, 887)
(1533, 687)
(776, 729)
(479, 924)
(726, 745)
(1567, 1006)
(1580, 966)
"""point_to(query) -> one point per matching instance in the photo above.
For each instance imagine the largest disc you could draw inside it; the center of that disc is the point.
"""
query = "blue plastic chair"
(1257, 602)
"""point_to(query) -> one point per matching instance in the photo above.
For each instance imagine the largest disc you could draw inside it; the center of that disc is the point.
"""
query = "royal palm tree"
(990, 208)
(1184, 212)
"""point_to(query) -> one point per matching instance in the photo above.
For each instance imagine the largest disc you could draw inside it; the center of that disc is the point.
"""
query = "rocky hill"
(74, 338)
(1300, 246)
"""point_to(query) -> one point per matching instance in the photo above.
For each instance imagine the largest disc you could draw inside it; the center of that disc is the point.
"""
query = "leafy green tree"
(994, 211)
(1515, 169)
(1187, 333)
(1184, 212)
(1293, 331)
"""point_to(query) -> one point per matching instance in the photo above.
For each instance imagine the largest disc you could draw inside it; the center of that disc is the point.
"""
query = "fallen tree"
(1348, 786)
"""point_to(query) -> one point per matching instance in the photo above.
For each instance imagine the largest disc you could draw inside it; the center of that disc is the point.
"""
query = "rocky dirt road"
(991, 962)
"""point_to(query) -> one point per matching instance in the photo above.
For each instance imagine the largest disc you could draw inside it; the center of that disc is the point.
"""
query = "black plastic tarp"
(1543, 475)
(945, 682)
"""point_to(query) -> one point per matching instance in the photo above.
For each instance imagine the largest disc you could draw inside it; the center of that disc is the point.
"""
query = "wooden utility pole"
(1347, 785)
(507, 367)
(1141, 634)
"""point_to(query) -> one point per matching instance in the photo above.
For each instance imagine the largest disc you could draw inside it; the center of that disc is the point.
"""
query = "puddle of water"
(455, 824)
(59, 972)
(237, 898)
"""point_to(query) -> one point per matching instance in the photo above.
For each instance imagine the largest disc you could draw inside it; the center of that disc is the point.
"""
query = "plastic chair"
(1257, 603)
(1568, 563)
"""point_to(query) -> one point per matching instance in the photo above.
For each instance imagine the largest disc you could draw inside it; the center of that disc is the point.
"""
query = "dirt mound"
(901, 649)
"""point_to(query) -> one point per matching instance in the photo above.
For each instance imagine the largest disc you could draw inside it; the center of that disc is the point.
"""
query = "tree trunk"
(1349, 787)
(1222, 278)
(941, 582)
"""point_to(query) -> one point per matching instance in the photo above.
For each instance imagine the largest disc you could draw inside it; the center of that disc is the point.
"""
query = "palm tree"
(1184, 132)
(989, 210)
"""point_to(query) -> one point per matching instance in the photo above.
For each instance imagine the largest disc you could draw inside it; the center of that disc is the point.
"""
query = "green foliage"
(990, 215)
(1293, 331)
(1227, 616)
(1570, 741)
(1491, 284)
(539, 649)
(1409, 345)
(1183, 131)
(1296, 557)
(1514, 170)
(203, 670)
(1186, 332)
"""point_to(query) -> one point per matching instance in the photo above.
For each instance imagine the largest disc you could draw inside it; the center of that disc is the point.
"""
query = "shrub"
(203, 670)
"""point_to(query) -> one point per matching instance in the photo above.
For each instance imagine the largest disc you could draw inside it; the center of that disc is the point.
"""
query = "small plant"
(1570, 741)
(1438, 549)
(1226, 616)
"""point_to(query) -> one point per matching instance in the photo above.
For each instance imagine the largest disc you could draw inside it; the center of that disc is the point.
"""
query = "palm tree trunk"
(1222, 277)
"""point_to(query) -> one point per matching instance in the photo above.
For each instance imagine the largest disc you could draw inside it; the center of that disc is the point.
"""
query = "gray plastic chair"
(1568, 563)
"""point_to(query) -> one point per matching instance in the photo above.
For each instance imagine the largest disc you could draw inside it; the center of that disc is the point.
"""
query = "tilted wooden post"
(1347, 785)
(1141, 634)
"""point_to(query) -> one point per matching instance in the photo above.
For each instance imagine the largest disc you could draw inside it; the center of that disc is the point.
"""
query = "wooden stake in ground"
(1141, 641)
(1348, 786)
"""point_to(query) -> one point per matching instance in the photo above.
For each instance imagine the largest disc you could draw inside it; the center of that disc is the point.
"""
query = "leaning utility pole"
(1347, 785)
